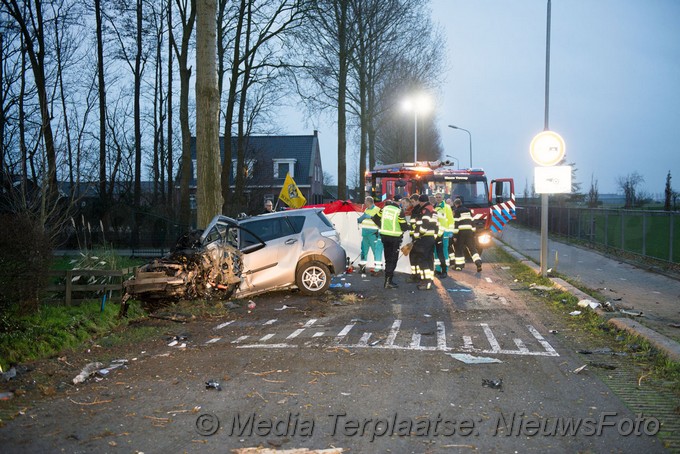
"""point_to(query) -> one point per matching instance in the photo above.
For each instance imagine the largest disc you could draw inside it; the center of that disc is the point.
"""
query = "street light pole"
(469, 135)
(415, 135)
(544, 197)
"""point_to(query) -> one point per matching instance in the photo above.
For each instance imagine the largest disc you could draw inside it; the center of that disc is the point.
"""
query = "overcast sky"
(614, 88)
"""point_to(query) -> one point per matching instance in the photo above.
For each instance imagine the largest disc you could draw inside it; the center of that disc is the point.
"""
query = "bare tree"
(327, 60)
(253, 35)
(629, 185)
(593, 194)
(187, 11)
(668, 193)
(30, 20)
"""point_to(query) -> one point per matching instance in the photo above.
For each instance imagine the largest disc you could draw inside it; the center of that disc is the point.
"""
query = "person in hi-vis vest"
(370, 238)
(392, 228)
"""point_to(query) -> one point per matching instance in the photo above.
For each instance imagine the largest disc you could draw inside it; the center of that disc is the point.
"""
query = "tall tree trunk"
(185, 76)
(103, 195)
(208, 190)
(229, 113)
(343, 67)
(138, 127)
(170, 158)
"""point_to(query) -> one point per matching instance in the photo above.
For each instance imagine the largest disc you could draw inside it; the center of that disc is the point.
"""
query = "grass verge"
(656, 364)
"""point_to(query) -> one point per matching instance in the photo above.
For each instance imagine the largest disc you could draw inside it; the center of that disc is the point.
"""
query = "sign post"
(547, 149)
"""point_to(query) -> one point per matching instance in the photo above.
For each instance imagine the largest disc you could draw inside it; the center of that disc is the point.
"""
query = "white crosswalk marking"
(222, 325)
(393, 333)
(418, 339)
(363, 342)
(495, 346)
(343, 333)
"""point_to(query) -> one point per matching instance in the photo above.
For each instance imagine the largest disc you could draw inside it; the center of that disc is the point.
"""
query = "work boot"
(425, 286)
(443, 275)
(414, 278)
(479, 266)
(389, 283)
(376, 273)
(459, 268)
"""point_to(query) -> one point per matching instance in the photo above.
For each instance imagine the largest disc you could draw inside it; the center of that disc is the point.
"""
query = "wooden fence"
(75, 293)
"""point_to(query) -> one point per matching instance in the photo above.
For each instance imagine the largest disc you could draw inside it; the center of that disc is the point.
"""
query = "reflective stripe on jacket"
(463, 219)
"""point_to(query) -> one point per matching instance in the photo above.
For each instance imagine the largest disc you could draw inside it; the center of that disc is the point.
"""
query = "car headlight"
(484, 239)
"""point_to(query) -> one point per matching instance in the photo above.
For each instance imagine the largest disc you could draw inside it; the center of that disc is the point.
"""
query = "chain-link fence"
(654, 234)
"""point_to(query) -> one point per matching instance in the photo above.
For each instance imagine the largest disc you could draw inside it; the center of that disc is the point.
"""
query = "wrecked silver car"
(297, 248)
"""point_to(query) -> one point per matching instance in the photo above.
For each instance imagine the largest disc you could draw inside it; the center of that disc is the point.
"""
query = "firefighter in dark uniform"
(425, 231)
(413, 255)
(464, 230)
(392, 228)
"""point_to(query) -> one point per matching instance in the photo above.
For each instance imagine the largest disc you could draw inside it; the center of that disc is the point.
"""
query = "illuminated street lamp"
(419, 103)
(470, 136)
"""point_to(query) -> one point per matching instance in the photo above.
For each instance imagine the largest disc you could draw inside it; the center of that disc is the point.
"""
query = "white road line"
(270, 322)
(522, 348)
(266, 337)
(467, 343)
(495, 346)
(295, 333)
(542, 341)
(310, 322)
(267, 346)
(242, 338)
(415, 341)
(343, 333)
(363, 342)
(222, 325)
(393, 333)
(213, 340)
(441, 336)
(319, 334)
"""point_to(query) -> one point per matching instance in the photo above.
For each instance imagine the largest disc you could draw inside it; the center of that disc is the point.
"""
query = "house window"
(250, 164)
(284, 166)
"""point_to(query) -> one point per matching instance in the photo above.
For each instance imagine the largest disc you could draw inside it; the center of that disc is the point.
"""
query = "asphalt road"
(363, 369)
(626, 285)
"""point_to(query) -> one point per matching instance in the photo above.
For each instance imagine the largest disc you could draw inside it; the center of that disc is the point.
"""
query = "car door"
(273, 265)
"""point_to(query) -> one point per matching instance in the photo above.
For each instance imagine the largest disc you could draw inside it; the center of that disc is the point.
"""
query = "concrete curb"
(670, 347)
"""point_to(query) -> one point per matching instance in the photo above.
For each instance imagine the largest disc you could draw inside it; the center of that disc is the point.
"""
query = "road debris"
(574, 313)
(631, 313)
(10, 374)
(544, 288)
(115, 364)
(251, 304)
(579, 369)
(213, 384)
(589, 303)
(87, 371)
(284, 307)
(494, 383)
(6, 396)
(470, 359)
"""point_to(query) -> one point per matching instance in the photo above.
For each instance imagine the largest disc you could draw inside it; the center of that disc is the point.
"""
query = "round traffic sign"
(547, 148)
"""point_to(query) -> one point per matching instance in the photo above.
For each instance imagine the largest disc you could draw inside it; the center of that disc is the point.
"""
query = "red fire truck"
(492, 205)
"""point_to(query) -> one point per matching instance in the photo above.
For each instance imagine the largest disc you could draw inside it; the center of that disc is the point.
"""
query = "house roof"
(264, 149)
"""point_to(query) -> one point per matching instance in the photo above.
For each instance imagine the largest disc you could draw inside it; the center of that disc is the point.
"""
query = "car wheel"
(313, 278)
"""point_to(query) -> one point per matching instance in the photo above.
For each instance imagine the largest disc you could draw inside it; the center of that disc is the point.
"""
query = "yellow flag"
(290, 193)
